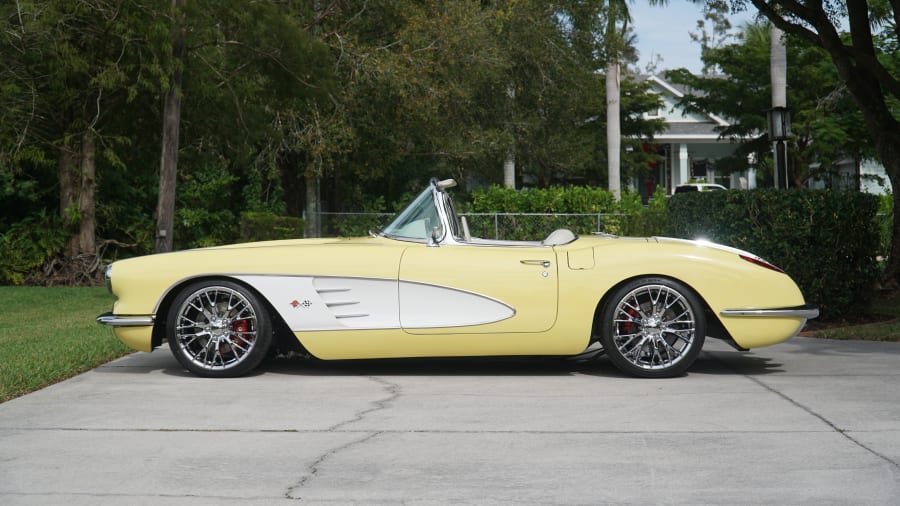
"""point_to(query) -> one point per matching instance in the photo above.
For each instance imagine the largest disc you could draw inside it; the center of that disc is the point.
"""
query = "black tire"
(653, 328)
(218, 329)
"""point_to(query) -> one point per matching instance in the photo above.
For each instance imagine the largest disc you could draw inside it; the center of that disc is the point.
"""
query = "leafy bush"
(28, 244)
(886, 221)
(266, 226)
(826, 240)
(582, 209)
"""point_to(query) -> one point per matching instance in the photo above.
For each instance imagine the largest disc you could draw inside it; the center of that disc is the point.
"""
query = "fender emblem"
(295, 303)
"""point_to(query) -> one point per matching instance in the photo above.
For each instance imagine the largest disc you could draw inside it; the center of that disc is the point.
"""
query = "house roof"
(681, 125)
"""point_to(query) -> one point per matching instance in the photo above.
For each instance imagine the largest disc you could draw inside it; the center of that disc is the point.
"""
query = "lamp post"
(780, 131)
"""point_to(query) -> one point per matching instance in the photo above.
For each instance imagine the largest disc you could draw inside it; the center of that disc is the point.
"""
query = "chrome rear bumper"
(125, 321)
(807, 312)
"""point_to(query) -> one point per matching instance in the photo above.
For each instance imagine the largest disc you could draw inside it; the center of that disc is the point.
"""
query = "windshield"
(418, 220)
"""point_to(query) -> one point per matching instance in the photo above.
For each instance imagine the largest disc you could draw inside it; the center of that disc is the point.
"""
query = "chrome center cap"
(218, 327)
(652, 322)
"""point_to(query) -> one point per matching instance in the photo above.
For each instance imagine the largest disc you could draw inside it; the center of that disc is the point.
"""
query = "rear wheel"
(218, 329)
(653, 328)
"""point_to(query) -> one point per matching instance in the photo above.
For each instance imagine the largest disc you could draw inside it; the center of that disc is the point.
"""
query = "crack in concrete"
(812, 412)
(313, 469)
(392, 388)
(394, 392)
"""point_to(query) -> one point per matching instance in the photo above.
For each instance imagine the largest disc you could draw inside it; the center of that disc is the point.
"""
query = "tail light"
(762, 263)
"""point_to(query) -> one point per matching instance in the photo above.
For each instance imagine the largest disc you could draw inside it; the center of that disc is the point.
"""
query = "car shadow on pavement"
(735, 362)
(481, 366)
(709, 362)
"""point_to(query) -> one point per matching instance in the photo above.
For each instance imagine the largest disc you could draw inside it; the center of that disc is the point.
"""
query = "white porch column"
(683, 167)
(751, 178)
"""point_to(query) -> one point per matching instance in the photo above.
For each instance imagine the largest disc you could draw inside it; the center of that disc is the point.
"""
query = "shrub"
(28, 244)
(826, 240)
(266, 226)
(596, 210)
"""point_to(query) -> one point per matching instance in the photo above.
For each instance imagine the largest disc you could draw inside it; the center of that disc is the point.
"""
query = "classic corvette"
(424, 287)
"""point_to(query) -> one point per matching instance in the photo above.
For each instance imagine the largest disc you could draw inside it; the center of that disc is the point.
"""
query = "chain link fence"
(536, 226)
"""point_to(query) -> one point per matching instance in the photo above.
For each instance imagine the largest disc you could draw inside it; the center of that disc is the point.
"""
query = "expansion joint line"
(812, 412)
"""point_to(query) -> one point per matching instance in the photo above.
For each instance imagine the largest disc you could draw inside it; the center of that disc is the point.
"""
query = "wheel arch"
(714, 327)
(283, 338)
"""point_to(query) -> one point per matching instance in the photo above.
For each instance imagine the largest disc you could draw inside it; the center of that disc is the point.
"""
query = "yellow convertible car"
(423, 287)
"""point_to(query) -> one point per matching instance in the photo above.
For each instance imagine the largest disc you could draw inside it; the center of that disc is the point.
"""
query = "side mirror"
(435, 233)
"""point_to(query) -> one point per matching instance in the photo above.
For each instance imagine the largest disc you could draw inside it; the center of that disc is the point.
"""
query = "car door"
(477, 289)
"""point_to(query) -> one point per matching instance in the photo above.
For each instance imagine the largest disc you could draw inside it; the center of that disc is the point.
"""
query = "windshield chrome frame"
(439, 199)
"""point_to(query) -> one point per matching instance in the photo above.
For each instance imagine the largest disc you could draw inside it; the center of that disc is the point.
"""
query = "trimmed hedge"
(826, 240)
(598, 207)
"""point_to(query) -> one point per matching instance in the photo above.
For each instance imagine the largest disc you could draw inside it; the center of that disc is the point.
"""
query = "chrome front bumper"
(125, 321)
(807, 312)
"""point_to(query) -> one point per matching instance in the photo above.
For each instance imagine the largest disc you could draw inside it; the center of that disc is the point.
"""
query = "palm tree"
(616, 45)
(778, 76)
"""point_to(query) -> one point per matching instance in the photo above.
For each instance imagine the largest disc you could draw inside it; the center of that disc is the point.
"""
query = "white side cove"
(427, 306)
(308, 303)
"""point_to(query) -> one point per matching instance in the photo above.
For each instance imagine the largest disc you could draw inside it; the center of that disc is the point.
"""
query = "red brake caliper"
(239, 327)
(628, 327)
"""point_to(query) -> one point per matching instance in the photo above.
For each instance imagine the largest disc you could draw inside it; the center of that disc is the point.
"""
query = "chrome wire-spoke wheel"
(218, 329)
(653, 328)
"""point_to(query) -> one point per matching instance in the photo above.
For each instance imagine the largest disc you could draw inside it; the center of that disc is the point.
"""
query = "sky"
(665, 31)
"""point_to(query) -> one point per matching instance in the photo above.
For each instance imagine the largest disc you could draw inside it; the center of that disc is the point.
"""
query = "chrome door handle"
(543, 263)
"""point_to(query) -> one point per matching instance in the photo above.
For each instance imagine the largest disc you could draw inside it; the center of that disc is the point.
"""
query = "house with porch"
(690, 145)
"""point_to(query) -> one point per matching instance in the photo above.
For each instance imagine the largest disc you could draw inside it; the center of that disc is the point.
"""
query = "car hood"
(293, 242)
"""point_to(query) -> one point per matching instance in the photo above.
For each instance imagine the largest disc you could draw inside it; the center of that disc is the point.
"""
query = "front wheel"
(653, 328)
(218, 329)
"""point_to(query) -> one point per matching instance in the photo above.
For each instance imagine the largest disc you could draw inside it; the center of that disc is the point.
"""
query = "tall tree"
(165, 208)
(68, 70)
(618, 18)
(713, 31)
(247, 67)
(778, 66)
(871, 75)
(826, 125)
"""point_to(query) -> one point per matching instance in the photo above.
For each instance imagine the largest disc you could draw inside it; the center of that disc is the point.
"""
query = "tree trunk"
(312, 211)
(509, 165)
(613, 130)
(86, 239)
(509, 171)
(778, 67)
(67, 190)
(778, 76)
(168, 168)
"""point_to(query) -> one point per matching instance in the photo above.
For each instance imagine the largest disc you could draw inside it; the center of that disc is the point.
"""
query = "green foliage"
(207, 213)
(596, 210)
(266, 226)
(27, 245)
(827, 241)
(652, 220)
(886, 219)
(826, 124)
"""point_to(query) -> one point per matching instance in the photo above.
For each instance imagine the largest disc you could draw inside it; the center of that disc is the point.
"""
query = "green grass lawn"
(49, 334)
(883, 325)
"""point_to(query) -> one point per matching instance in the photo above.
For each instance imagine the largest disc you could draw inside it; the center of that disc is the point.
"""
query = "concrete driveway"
(806, 422)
